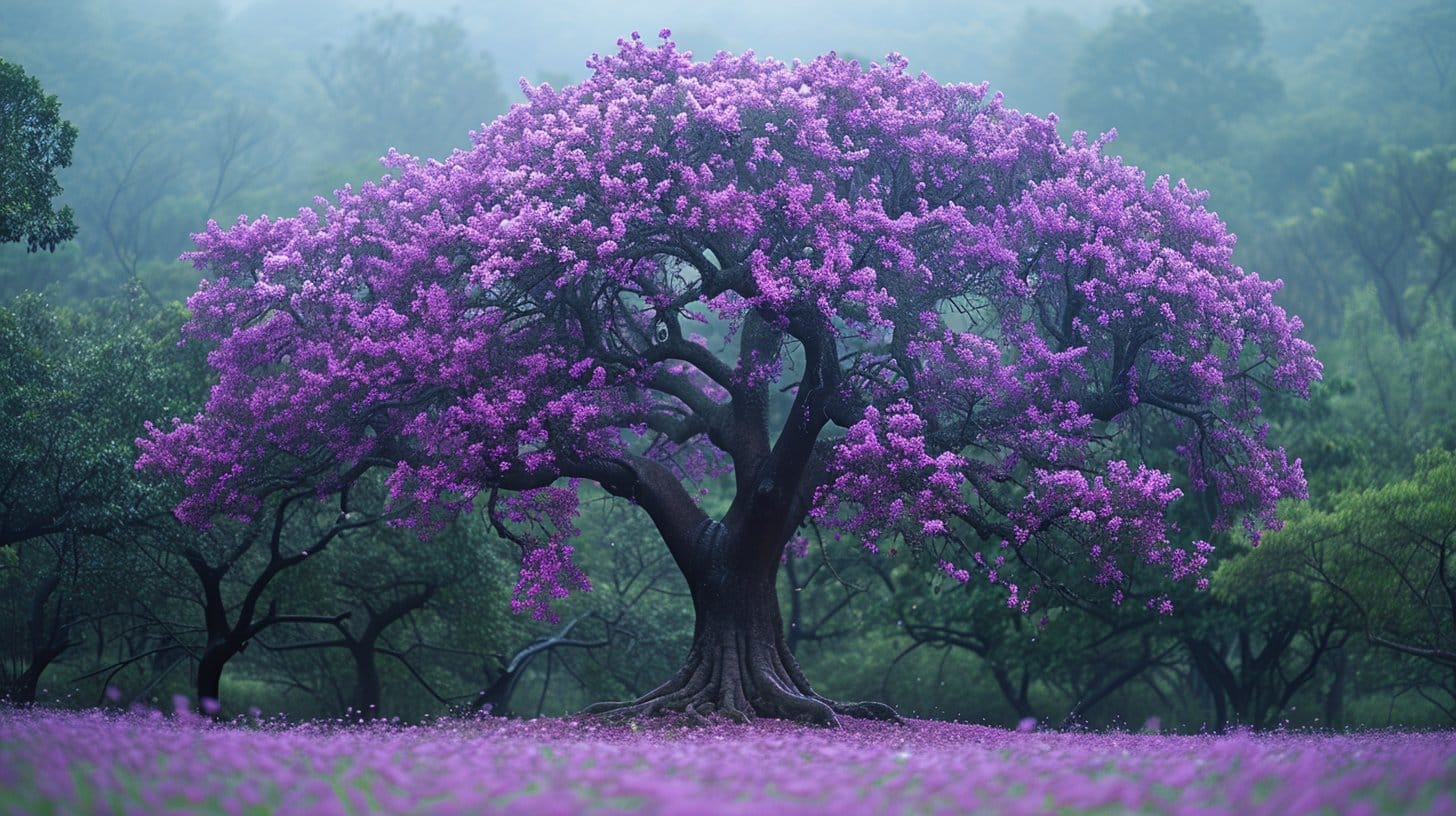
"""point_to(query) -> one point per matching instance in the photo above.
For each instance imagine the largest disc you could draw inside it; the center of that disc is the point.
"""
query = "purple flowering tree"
(884, 305)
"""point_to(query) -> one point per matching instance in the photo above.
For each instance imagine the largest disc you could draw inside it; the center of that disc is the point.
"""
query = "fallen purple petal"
(62, 762)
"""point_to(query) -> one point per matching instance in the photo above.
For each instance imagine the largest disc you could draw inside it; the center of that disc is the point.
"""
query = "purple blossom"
(91, 762)
(1002, 308)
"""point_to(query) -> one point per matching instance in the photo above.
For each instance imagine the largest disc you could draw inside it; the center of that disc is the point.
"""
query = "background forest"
(1326, 132)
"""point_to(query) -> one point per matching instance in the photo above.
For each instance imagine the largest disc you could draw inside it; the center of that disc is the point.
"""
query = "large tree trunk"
(739, 666)
(209, 674)
(1017, 694)
(366, 680)
(1335, 700)
(46, 643)
(22, 689)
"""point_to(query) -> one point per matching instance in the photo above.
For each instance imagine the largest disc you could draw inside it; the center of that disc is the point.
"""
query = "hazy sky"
(538, 40)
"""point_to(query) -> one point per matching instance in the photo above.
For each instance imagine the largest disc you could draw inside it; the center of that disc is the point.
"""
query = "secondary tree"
(35, 142)
(922, 320)
(1175, 76)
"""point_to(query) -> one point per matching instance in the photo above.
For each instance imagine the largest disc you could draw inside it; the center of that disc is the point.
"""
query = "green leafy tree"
(401, 83)
(1387, 556)
(402, 610)
(59, 593)
(1174, 75)
(35, 142)
(229, 571)
(137, 189)
(1259, 639)
(1402, 398)
(1406, 67)
(1394, 218)
(74, 388)
(1037, 65)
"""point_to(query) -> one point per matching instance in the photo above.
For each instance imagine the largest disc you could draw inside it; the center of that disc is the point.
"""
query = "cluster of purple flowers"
(1000, 304)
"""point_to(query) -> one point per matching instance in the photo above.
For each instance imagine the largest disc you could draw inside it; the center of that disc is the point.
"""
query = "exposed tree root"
(740, 681)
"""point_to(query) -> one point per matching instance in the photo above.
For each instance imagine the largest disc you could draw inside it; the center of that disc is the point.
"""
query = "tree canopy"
(35, 142)
(1386, 553)
(1174, 75)
(74, 388)
(975, 327)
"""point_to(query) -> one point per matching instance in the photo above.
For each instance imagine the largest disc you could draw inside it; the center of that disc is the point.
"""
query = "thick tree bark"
(47, 642)
(1018, 695)
(366, 680)
(739, 666)
(1335, 700)
(23, 688)
(209, 673)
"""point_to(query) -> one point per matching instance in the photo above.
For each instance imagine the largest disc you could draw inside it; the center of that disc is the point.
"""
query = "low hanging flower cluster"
(1003, 310)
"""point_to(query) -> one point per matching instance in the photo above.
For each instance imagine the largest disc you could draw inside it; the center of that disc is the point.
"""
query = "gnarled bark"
(48, 641)
(739, 667)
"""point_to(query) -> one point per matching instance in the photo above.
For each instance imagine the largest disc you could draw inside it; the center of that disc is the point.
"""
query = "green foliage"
(1174, 76)
(1386, 557)
(1403, 398)
(238, 136)
(137, 187)
(75, 388)
(638, 607)
(1394, 218)
(188, 111)
(57, 593)
(35, 142)
(400, 83)
(1405, 65)
(1290, 153)
(429, 613)
(1375, 264)
(1038, 62)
